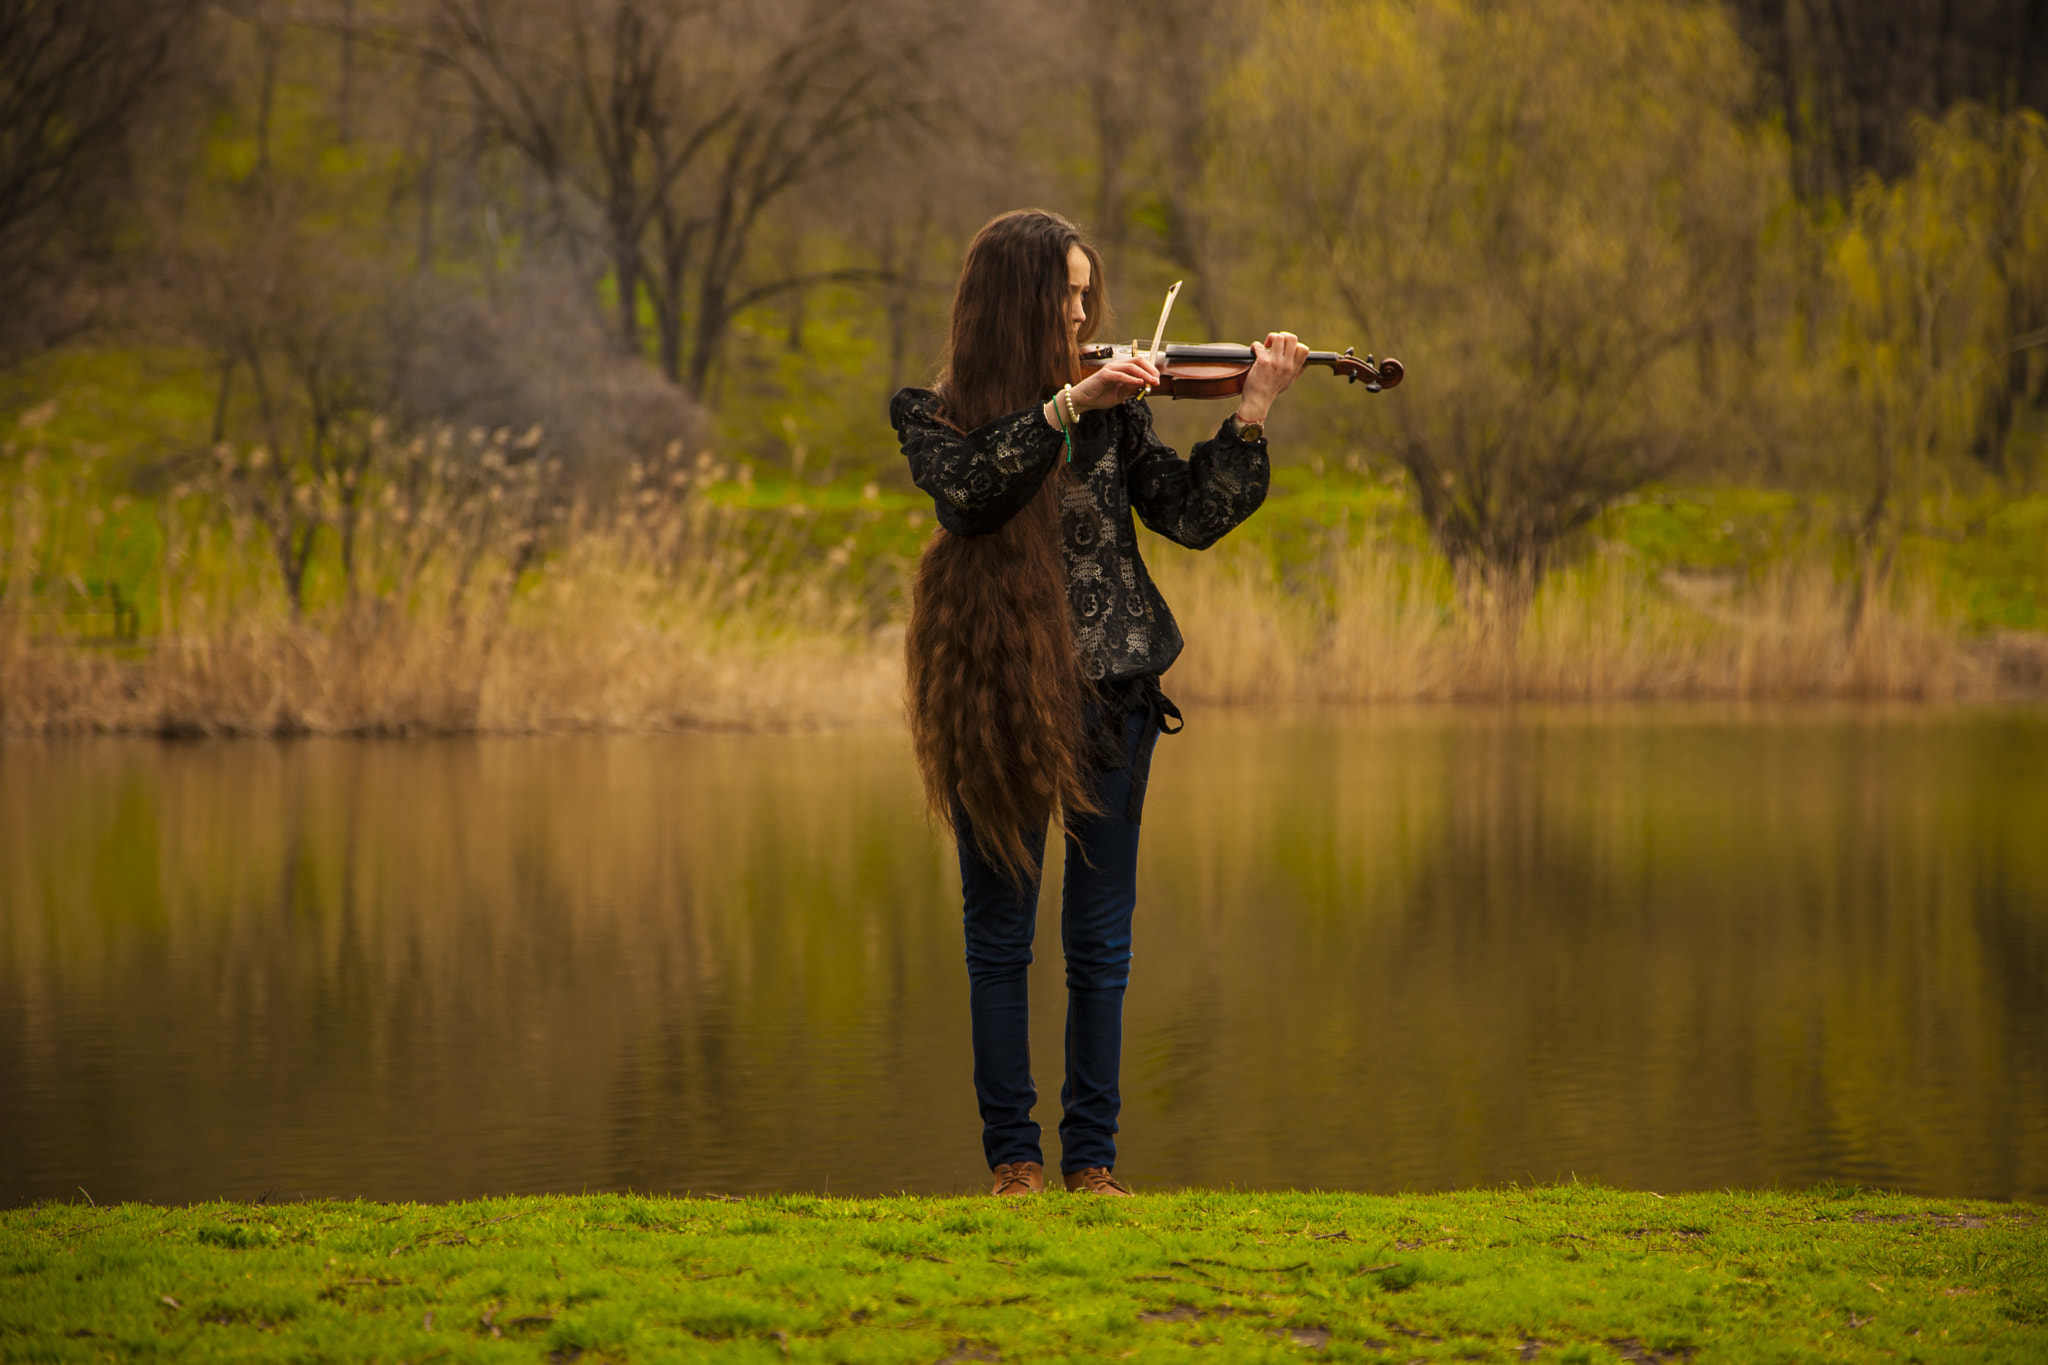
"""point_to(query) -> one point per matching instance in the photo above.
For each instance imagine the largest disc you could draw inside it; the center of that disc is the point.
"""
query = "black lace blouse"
(980, 479)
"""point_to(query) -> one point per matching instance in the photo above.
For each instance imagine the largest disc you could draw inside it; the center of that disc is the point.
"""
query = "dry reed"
(663, 608)
(482, 599)
(1379, 624)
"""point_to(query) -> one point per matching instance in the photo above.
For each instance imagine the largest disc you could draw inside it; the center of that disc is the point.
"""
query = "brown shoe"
(1096, 1180)
(1019, 1177)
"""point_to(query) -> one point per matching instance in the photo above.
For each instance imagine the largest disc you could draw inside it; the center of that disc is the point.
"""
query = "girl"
(1035, 645)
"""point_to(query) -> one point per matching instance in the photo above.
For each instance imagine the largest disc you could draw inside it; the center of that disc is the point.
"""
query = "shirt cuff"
(1228, 432)
(1092, 439)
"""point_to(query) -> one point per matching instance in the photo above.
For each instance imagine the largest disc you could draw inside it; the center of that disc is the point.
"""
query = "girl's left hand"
(1275, 365)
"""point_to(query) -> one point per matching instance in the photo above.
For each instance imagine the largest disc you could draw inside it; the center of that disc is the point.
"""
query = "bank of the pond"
(469, 592)
(1567, 1273)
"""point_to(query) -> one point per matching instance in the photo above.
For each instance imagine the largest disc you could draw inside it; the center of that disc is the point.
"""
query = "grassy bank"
(1566, 1273)
(462, 582)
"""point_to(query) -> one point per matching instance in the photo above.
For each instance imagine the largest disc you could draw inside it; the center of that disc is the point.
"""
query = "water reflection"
(1663, 947)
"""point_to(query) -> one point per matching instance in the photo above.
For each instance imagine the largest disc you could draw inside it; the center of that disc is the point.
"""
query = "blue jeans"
(1095, 933)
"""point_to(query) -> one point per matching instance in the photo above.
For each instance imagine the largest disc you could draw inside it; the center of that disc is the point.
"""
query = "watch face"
(1251, 431)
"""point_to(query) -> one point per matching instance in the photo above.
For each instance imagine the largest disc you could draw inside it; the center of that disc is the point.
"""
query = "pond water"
(1659, 947)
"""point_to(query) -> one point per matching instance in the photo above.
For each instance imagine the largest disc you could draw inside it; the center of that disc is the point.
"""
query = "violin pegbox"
(1356, 370)
(1379, 375)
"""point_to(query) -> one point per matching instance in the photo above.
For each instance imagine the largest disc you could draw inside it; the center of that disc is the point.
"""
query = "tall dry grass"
(482, 596)
(1379, 623)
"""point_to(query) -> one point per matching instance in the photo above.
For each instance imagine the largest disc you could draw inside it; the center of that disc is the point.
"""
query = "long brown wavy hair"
(995, 690)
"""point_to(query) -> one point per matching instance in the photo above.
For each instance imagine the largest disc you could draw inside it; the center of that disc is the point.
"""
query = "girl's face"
(1078, 280)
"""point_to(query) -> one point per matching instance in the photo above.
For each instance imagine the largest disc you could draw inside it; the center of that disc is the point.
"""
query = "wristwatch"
(1248, 431)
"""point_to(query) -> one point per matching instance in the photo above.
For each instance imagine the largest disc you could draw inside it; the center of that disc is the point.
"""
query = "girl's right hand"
(1120, 379)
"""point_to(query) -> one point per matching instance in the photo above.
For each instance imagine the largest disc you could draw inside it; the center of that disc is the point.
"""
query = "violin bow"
(1159, 334)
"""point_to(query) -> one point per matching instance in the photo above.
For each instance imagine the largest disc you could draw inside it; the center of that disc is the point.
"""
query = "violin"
(1218, 369)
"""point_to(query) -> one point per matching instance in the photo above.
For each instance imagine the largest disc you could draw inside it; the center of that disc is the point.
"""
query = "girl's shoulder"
(915, 407)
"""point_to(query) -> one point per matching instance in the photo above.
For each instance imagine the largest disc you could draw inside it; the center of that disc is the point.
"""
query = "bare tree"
(300, 343)
(1148, 86)
(74, 78)
(679, 127)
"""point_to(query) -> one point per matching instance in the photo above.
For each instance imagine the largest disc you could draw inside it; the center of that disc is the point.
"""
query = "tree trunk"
(626, 273)
(710, 329)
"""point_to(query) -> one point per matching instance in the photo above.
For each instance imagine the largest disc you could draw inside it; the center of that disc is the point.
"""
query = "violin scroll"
(1377, 374)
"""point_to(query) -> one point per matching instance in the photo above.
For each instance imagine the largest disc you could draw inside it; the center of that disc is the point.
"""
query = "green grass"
(1567, 1273)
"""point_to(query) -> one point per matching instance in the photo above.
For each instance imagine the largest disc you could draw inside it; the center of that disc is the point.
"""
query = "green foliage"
(1565, 1273)
(1942, 294)
(1628, 339)
(1568, 217)
(2000, 573)
(819, 406)
(1543, 210)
